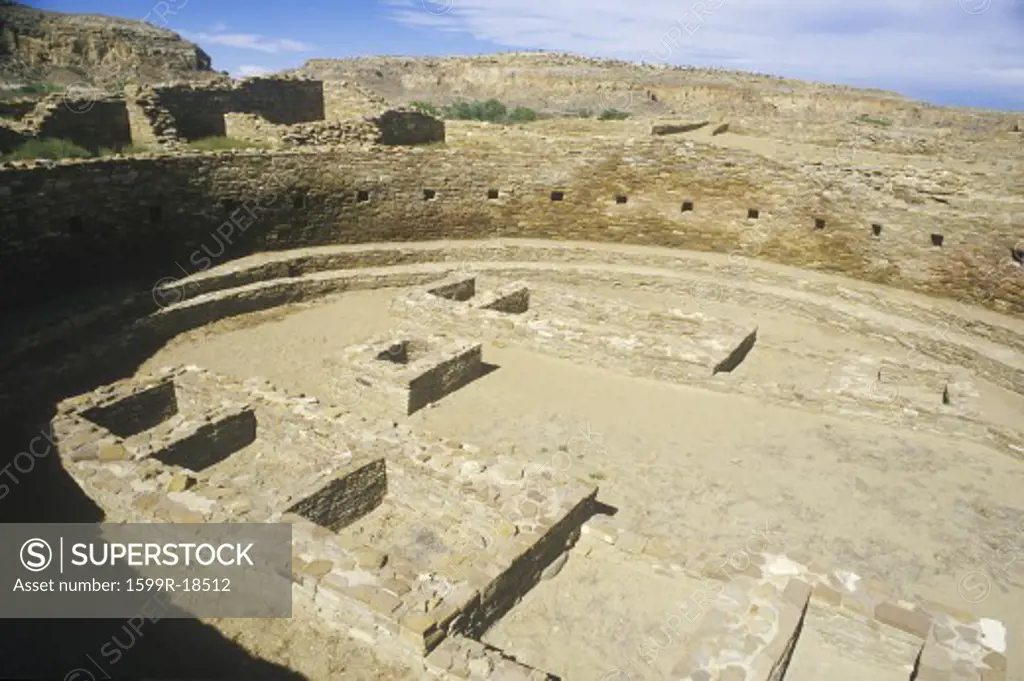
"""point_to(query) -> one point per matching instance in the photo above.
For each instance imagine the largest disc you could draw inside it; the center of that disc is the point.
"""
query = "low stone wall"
(511, 298)
(404, 598)
(346, 498)
(320, 133)
(676, 128)
(409, 373)
(200, 445)
(455, 369)
(91, 124)
(137, 411)
(393, 128)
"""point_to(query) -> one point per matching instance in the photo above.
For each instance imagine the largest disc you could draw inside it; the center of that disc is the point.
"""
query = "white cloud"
(928, 44)
(253, 70)
(249, 41)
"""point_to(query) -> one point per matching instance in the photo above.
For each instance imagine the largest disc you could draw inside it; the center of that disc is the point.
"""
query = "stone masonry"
(388, 543)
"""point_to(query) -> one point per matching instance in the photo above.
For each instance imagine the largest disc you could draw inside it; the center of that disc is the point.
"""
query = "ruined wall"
(194, 111)
(16, 109)
(393, 128)
(344, 100)
(318, 133)
(401, 127)
(150, 122)
(11, 137)
(197, 111)
(152, 217)
(92, 124)
(279, 100)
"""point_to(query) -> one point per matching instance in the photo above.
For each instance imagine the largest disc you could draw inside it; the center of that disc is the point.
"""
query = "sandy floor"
(915, 510)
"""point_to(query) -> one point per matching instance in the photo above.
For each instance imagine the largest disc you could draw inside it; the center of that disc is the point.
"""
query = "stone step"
(836, 645)
(749, 634)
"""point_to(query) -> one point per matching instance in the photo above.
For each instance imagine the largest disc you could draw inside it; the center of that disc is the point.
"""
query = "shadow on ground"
(46, 493)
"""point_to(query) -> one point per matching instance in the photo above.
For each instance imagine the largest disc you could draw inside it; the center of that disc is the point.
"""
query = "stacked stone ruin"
(182, 445)
(187, 445)
(288, 111)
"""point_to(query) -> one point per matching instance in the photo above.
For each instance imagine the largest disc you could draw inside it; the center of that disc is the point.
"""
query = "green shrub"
(491, 111)
(39, 88)
(522, 114)
(47, 148)
(129, 150)
(613, 115)
(872, 120)
(425, 108)
(222, 143)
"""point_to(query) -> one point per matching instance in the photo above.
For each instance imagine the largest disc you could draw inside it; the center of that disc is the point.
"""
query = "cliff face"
(566, 82)
(39, 46)
(839, 117)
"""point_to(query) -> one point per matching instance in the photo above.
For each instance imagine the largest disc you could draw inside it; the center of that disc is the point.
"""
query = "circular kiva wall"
(71, 225)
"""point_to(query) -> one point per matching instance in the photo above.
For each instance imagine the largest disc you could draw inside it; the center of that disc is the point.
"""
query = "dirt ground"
(913, 508)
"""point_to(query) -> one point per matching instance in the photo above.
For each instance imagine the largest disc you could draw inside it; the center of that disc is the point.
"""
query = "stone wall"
(57, 223)
(16, 109)
(11, 137)
(319, 133)
(401, 126)
(283, 101)
(195, 111)
(92, 124)
(344, 100)
(393, 127)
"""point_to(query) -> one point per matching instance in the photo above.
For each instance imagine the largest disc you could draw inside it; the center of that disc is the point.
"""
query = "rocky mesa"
(38, 46)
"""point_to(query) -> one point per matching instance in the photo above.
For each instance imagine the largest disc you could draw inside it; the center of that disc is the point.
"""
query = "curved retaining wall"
(74, 225)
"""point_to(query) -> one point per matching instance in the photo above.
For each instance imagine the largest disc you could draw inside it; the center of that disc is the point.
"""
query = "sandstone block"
(913, 622)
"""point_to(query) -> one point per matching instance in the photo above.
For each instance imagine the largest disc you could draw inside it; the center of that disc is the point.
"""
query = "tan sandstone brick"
(914, 622)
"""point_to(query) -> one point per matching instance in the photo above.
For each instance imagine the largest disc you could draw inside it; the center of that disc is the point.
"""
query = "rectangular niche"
(511, 299)
(134, 413)
(346, 498)
(687, 206)
(415, 372)
(210, 442)
(459, 289)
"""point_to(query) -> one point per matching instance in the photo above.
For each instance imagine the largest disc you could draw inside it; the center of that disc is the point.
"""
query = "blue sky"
(967, 52)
